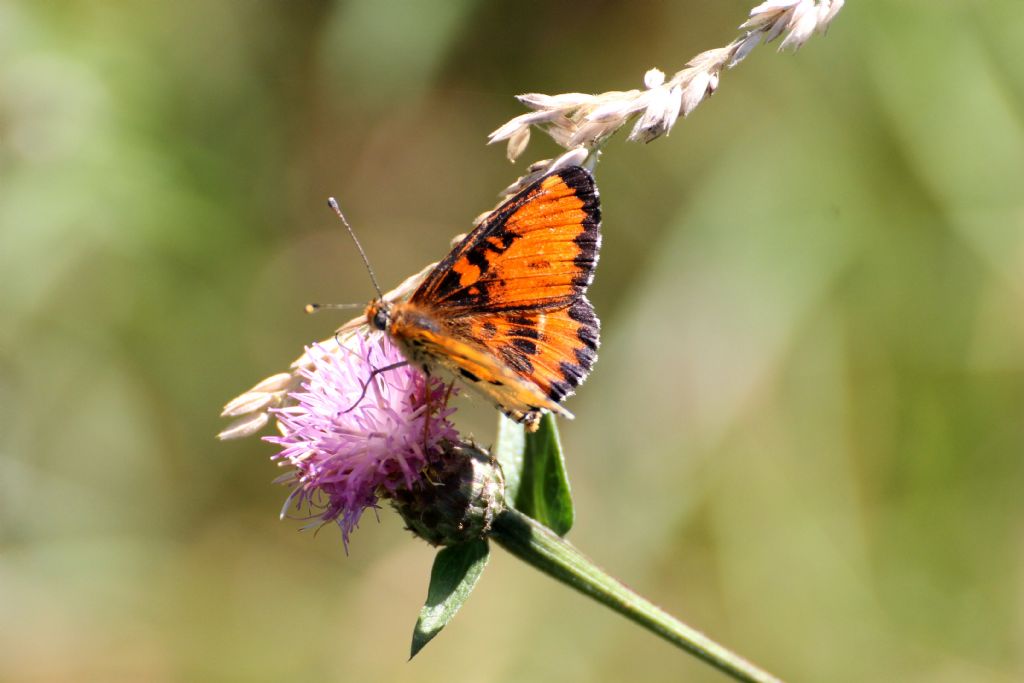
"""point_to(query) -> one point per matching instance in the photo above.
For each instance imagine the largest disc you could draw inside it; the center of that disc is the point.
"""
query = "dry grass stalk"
(581, 121)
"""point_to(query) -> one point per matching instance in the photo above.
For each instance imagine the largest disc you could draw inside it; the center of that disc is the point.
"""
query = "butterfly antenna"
(313, 308)
(333, 203)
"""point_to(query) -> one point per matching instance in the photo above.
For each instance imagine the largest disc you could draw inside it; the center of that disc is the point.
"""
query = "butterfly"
(506, 311)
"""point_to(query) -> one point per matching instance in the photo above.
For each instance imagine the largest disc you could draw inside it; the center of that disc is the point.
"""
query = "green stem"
(532, 542)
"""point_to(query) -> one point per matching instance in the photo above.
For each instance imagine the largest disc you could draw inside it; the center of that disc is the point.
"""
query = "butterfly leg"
(369, 381)
(428, 413)
(530, 419)
(430, 408)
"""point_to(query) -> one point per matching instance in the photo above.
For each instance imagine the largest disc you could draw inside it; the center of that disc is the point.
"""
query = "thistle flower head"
(348, 448)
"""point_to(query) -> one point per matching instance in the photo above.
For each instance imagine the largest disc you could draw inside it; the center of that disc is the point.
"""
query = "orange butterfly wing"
(519, 397)
(537, 250)
(506, 309)
(554, 349)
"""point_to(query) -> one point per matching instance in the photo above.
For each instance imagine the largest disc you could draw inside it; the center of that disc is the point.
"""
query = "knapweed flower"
(251, 410)
(348, 448)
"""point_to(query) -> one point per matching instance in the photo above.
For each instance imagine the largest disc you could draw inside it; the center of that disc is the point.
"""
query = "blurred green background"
(804, 435)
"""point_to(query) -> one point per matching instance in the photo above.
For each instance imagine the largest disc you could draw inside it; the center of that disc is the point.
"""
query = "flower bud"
(456, 499)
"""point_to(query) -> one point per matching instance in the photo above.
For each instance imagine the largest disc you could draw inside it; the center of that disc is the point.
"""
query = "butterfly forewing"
(538, 250)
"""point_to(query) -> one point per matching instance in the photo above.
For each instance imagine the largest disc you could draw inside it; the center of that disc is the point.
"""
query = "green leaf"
(543, 488)
(456, 571)
(509, 450)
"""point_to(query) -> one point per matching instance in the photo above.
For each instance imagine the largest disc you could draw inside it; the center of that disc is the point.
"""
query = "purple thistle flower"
(345, 458)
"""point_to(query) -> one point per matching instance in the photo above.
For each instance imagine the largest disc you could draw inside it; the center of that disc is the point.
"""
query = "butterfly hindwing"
(537, 250)
(553, 349)
(518, 396)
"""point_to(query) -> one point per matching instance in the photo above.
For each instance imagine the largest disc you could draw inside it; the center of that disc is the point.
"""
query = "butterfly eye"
(380, 319)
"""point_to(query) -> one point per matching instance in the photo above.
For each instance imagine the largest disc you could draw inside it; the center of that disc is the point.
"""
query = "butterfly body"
(505, 311)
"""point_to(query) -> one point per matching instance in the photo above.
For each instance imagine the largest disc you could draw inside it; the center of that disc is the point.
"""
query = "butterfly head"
(378, 315)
